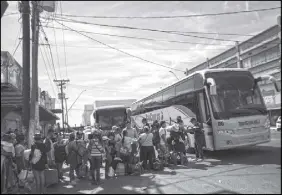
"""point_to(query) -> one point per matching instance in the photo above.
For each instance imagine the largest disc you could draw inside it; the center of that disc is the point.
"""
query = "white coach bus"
(227, 102)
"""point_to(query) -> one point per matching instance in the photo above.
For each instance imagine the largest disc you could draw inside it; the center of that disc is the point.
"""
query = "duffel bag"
(158, 165)
(120, 170)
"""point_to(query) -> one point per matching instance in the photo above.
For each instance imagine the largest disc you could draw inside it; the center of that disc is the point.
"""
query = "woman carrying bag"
(125, 150)
(147, 150)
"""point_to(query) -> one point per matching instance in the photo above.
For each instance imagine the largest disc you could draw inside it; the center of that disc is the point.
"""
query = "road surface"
(254, 170)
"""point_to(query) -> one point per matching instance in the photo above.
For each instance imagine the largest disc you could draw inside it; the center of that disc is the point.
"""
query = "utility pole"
(34, 113)
(67, 117)
(238, 55)
(25, 10)
(61, 95)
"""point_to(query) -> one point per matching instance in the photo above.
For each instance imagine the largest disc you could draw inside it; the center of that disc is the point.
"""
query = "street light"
(174, 74)
(75, 100)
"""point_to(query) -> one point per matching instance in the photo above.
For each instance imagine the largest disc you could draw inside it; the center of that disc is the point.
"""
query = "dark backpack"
(156, 137)
(60, 153)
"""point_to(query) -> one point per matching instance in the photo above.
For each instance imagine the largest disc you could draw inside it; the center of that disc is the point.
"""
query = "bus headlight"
(267, 123)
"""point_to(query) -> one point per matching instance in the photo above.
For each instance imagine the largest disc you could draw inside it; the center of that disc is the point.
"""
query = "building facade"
(12, 99)
(260, 54)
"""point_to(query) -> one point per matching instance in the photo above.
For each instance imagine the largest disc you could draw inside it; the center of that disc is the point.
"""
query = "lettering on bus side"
(255, 122)
(220, 123)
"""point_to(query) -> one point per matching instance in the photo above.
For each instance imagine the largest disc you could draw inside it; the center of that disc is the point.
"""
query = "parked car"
(278, 124)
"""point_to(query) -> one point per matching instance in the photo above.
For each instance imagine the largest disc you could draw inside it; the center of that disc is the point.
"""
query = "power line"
(141, 38)
(183, 16)
(192, 32)
(96, 88)
(147, 29)
(64, 42)
(47, 71)
(57, 51)
(175, 49)
(121, 50)
(17, 47)
(49, 63)
(52, 59)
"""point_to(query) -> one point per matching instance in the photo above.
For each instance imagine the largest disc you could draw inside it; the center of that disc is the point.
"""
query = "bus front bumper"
(242, 141)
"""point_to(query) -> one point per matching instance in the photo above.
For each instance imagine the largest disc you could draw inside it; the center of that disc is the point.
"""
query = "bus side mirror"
(212, 86)
(269, 78)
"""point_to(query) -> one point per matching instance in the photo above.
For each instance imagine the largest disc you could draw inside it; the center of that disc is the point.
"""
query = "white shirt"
(162, 131)
(146, 139)
(127, 143)
(131, 132)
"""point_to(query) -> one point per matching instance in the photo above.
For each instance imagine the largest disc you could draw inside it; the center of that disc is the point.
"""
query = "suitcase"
(51, 177)
(120, 170)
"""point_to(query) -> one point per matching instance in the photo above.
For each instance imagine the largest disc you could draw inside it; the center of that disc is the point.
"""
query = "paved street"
(248, 170)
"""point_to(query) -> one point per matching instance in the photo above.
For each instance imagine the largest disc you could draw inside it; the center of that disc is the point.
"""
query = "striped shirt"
(96, 147)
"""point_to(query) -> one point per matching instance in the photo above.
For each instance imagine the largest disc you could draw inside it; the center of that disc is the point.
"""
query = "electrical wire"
(57, 52)
(192, 32)
(18, 42)
(121, 50)
(17, 47)
(47, 71)
(153, 30)
(96, 88)
(176, 49)
(64, 42)
(141, 38)
(52, 59)
(183, 16)
(49, 63)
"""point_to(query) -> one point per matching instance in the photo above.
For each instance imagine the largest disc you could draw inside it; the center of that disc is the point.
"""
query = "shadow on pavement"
(254, 155)
(120, 185)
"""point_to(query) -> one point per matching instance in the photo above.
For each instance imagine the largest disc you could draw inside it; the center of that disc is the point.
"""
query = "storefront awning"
(13, 99)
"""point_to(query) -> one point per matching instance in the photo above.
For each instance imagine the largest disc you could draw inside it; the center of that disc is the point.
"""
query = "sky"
(106, 73)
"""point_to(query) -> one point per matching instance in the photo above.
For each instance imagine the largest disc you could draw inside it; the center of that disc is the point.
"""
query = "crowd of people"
(125, 151)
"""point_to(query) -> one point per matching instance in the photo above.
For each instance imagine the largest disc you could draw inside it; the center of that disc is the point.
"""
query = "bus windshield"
(108, 118)
(237, 95)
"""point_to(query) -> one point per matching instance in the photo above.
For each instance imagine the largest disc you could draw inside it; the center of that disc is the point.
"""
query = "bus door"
(204, 119)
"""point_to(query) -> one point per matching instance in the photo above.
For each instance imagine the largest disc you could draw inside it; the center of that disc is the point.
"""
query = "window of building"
(272, 53)
(258, 59)
(246, 63)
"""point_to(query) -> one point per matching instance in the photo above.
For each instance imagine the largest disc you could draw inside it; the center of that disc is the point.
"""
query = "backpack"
(60, 152)
(156, 138)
